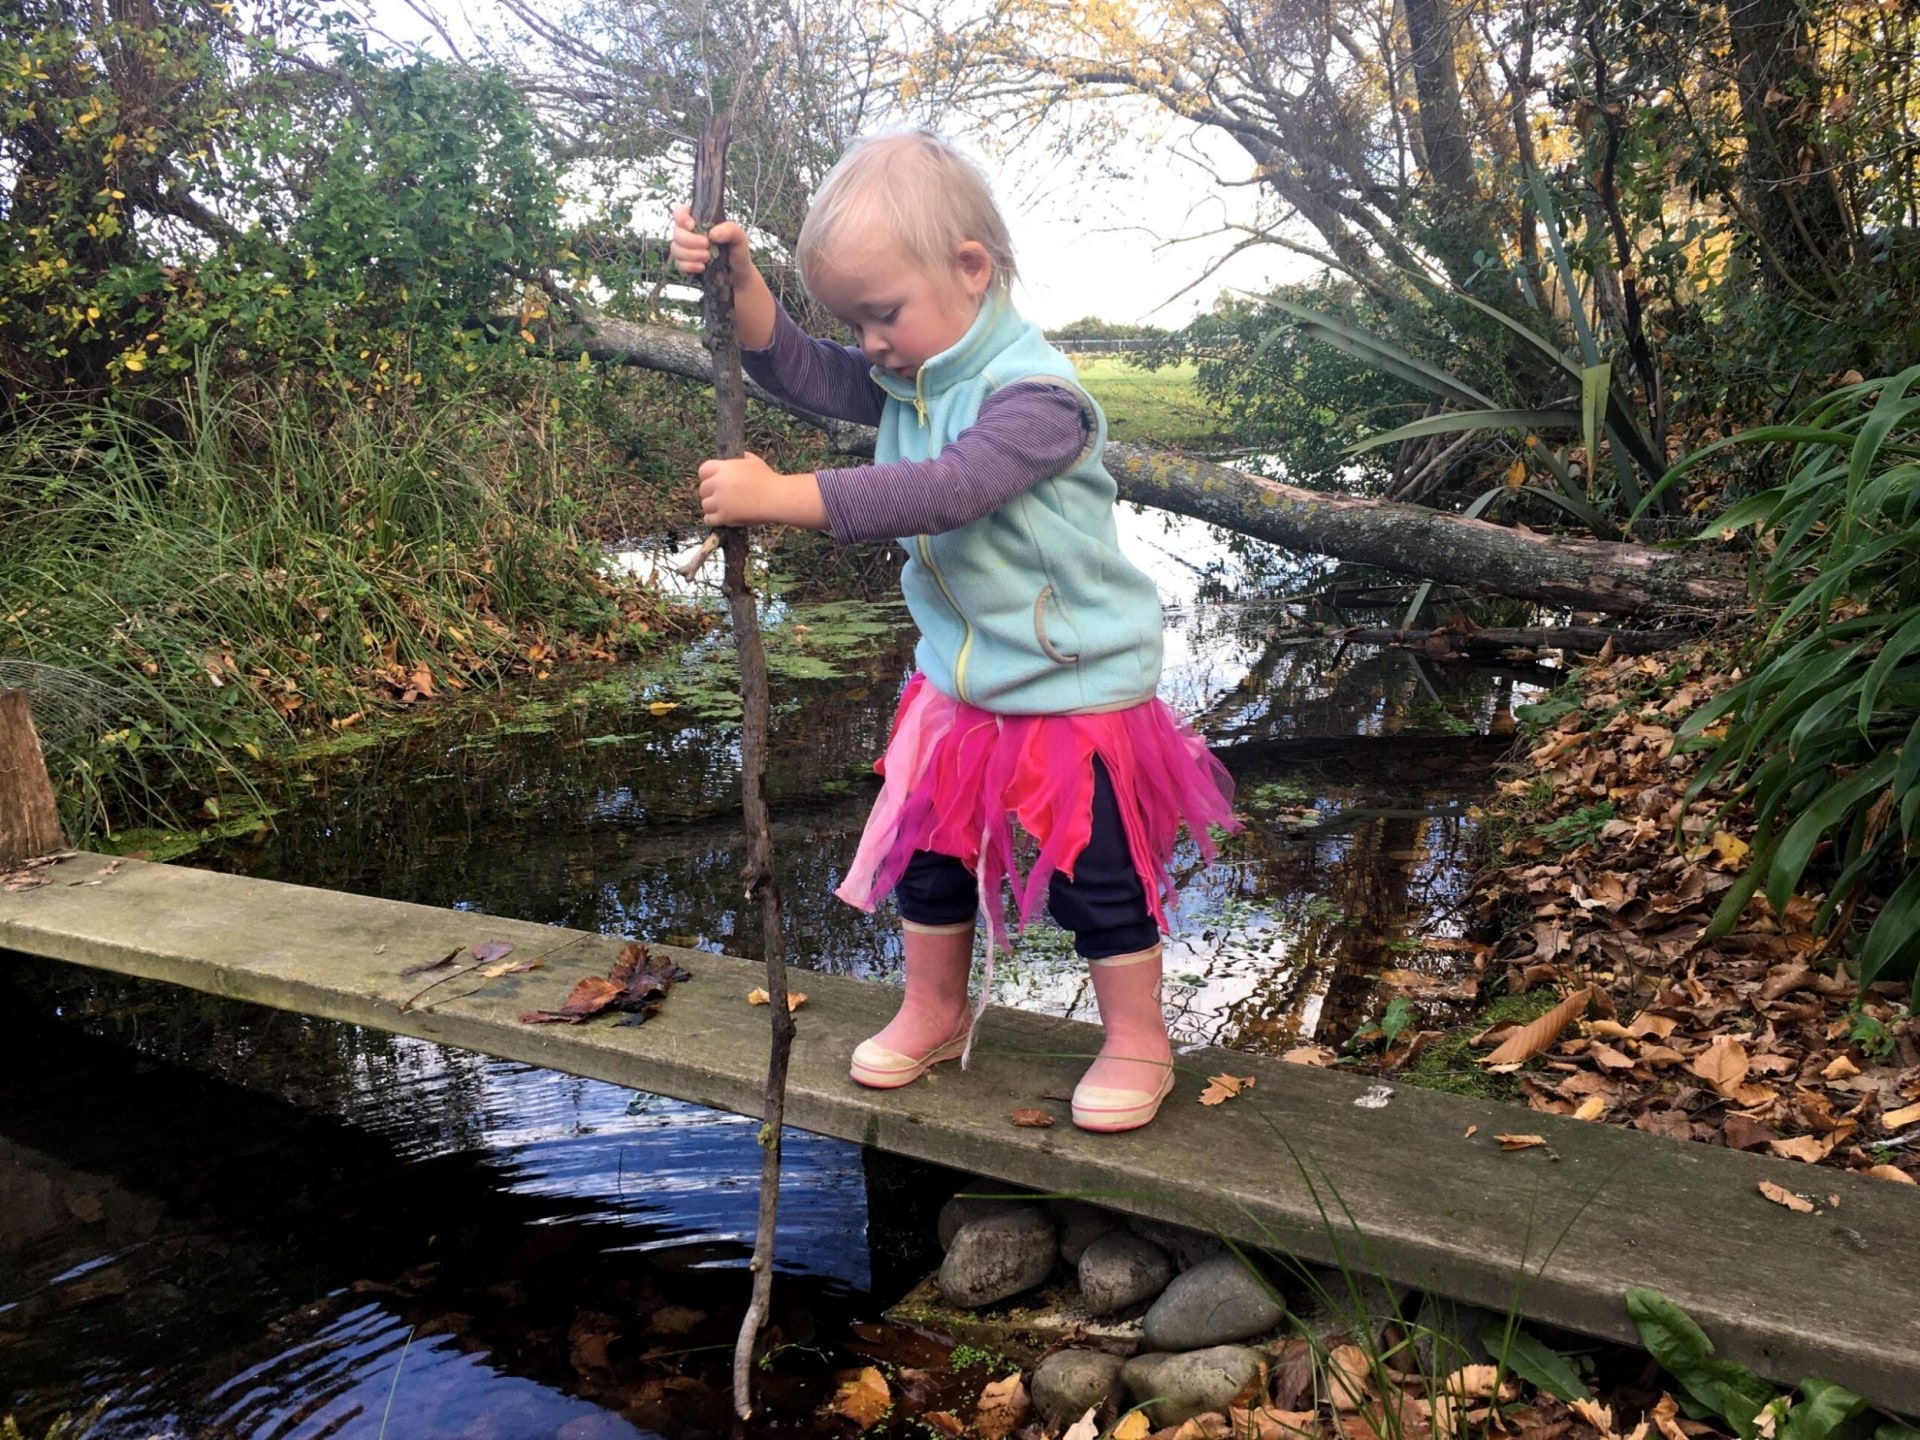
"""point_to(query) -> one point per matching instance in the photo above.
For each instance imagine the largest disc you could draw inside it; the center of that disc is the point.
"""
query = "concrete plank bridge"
(1416, 1189)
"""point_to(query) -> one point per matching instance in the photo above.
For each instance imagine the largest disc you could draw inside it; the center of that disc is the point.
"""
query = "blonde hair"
(920, 193)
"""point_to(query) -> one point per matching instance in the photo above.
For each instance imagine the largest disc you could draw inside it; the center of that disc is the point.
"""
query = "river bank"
(1624, 1002)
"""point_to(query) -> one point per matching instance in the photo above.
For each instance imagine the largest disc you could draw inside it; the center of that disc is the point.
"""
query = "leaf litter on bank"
(1604, 887)
(636, 985)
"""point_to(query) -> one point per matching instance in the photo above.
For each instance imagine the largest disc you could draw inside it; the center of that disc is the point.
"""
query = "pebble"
(963, 1208)
(1216, 1301)
(998, 1256)
(1187, 1248)
(1175, 1388)
(1121, 1269)
(1070, 1382)
(1080, 1224)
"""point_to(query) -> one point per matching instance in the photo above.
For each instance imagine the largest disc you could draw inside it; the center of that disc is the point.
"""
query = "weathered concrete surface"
(1561, 1231)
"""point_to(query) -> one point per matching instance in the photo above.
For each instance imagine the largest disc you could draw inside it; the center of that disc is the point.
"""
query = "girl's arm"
(817, 375)
(1024, 434)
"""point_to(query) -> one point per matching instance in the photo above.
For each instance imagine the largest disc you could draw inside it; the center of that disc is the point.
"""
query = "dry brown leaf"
(1780, 1195)
(511, 967)
(759, 996)
(1723, 1064)
(1318, 1056)
(1270, 1424)
(1647, 1023)
(863, 1398)
(1004, 1408)
(1666, 1419)
(947, 1423)
(1471, 1131)
(1472, 1382)
(1133, 1425)
(1839, 1068)
(1349, 1377)
(1221, 1088)
(1536, 1037)
(1890, 1172)
(1086, 1427)
(1810, 1148)
(1520, 1142)
(1207, 1425)
(1906, 1115)
(1030, 1119)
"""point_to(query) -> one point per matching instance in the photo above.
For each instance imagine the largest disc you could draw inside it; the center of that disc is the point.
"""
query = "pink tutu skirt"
(958, 777)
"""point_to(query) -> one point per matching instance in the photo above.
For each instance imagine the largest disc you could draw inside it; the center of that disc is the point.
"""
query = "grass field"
(1160, 406)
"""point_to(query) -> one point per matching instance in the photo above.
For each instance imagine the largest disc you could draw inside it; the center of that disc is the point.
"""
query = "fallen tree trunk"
(1421, 544)
(1582, 639)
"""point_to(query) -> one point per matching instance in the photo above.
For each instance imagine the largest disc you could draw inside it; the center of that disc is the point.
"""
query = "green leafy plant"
(1822, 735)
(1712, 1386)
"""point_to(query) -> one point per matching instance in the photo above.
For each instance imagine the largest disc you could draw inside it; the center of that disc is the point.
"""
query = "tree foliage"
(282, 194)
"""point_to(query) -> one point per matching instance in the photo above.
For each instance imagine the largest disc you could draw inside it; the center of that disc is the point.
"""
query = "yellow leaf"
(1134, 1425)
(661, 707)
(135, 362)
(1591, 1108)
(1516, 474)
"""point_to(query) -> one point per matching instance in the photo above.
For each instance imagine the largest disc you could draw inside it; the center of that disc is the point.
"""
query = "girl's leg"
(938, 901)
(1105, 905)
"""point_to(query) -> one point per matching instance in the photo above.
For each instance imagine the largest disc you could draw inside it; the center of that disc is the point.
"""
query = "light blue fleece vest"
(1031, 610)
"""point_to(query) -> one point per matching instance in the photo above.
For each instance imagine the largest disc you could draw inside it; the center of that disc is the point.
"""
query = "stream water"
(220, 1221)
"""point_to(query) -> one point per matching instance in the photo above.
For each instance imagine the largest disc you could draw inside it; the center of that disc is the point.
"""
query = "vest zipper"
(966, 645)
(919, 399)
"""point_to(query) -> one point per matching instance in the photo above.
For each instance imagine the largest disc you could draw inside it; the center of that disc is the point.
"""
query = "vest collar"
(992, 329)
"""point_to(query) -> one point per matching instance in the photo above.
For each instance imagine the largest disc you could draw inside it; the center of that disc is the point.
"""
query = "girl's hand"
(748, 491)
(690, 250)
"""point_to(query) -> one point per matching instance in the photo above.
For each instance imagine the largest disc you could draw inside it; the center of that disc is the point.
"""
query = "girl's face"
(901, 315)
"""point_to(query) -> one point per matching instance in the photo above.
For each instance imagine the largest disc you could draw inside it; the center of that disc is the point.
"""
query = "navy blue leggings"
(1104, 904)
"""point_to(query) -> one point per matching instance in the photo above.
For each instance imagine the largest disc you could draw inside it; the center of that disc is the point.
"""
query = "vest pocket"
(1047, 648)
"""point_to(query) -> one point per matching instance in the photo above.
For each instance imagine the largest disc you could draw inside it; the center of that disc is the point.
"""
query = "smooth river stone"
(1120, 1270)
(1070, 1382)
(998, 1256)
(1175, 1388)
(1216, 1301)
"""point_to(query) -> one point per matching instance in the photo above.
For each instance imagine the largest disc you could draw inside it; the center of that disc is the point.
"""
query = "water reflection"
(335, 1219)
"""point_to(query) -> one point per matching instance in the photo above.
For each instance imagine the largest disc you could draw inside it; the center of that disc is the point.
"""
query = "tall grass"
(246, 566)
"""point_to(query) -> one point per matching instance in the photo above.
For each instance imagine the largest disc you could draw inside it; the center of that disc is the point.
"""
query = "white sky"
(1129, 246)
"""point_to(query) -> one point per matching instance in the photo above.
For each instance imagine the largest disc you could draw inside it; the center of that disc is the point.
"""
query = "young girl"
(1040, 643)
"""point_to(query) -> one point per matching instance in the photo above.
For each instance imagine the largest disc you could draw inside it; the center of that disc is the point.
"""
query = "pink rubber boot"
(934, 1016)
(1134, 1071)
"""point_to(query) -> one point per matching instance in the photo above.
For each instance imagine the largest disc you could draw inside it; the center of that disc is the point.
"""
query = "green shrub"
(1823, 734)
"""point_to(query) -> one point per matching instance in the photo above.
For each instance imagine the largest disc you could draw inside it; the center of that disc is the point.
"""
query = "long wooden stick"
(730, 402)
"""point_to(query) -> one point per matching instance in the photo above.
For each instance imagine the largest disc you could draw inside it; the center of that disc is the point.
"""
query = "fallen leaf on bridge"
(758, 996)
(1221, 1088)
(426, 965)
(491, 950)
(1780, 1195)
(511, 967)
(1520, 1142)
(635, 985)
(1031, 1119)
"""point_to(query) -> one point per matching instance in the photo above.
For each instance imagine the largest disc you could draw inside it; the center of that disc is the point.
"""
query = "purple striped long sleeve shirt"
(1023, 434)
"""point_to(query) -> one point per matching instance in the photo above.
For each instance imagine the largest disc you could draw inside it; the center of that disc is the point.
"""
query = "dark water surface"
(221, 1221)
